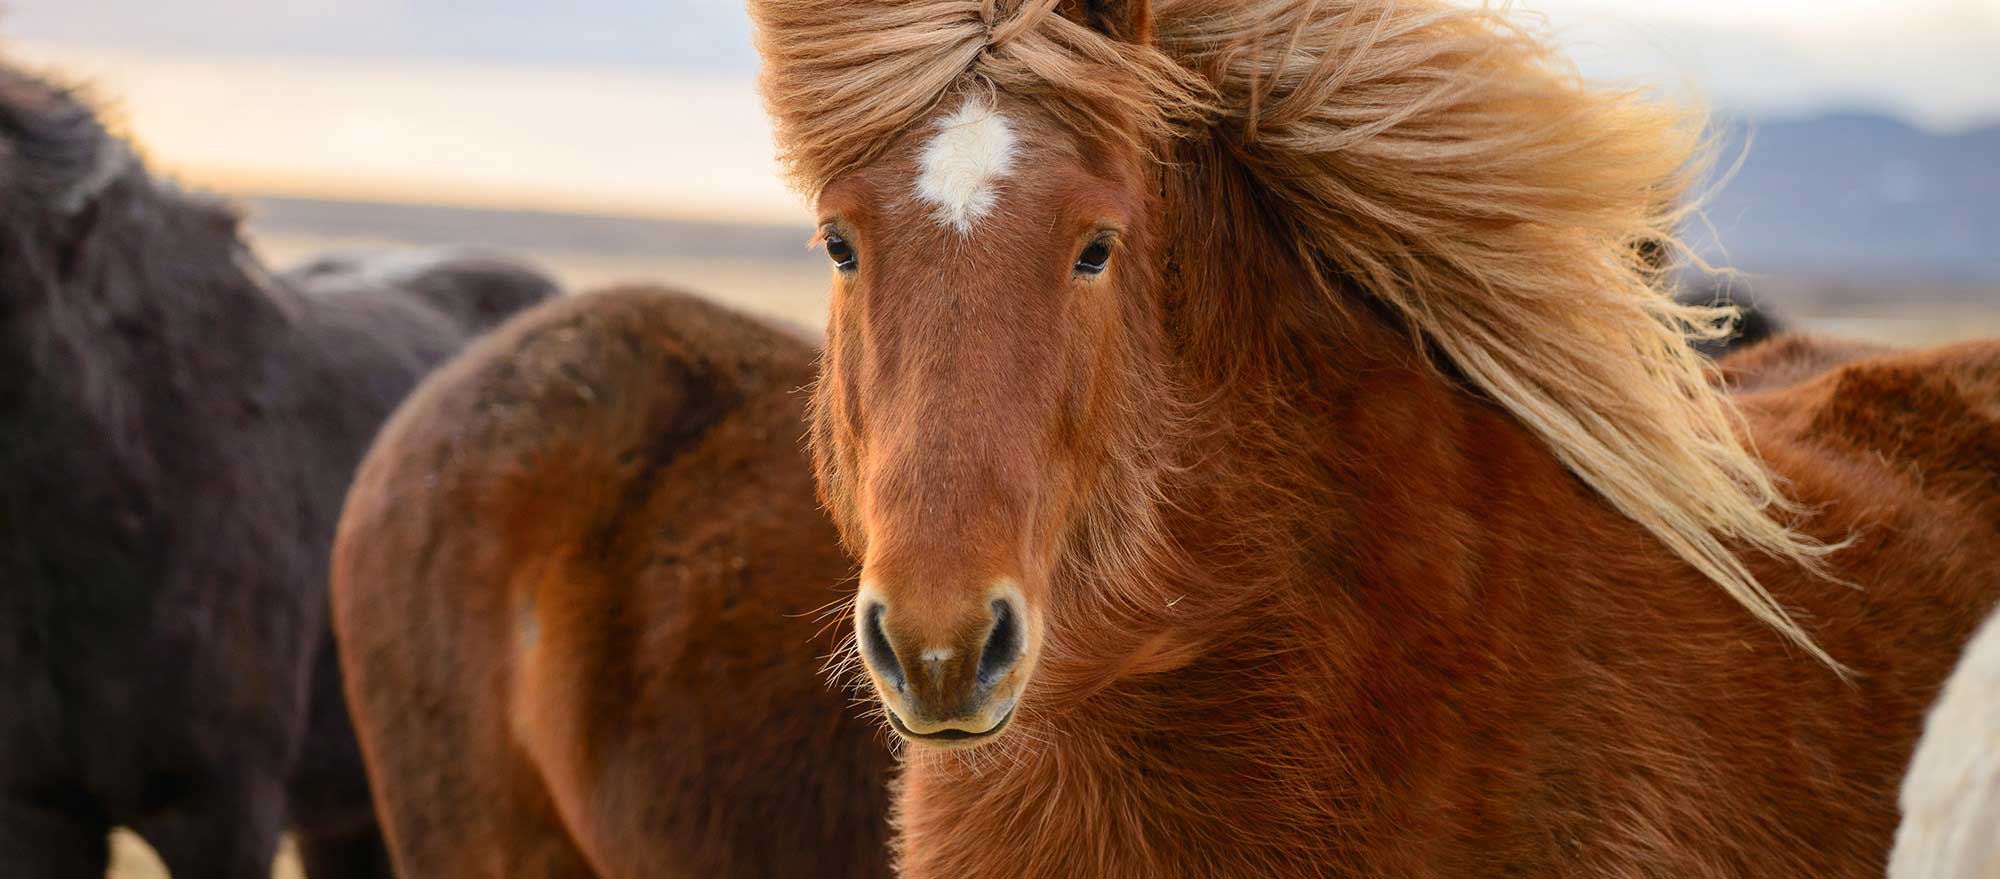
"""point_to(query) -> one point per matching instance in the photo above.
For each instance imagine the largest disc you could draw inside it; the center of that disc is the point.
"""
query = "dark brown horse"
(579, 588)
(1269, 454)
(177, 429)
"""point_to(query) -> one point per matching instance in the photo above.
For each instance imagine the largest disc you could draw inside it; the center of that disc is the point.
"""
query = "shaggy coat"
(177, 429)
(578, 587)
(1316, 394)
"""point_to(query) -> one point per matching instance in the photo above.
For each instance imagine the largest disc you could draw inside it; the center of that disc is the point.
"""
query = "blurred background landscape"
(623, 139)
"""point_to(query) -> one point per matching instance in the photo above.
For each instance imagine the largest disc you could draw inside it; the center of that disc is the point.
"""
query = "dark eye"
(841, 252)
(1091, 261)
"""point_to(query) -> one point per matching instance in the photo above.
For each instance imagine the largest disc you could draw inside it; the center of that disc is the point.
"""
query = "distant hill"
(1861, 194)
(1845, 199)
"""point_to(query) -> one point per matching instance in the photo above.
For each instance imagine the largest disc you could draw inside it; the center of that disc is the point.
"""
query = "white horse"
(1951, 796)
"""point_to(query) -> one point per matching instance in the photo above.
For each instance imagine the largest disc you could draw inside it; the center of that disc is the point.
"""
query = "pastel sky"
(647, 106)
(1932, 62)
(1935, 62)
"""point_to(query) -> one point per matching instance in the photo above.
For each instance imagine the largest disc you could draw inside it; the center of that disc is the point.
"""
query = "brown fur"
(576, 588)
(1341, 563)
(1787, 360)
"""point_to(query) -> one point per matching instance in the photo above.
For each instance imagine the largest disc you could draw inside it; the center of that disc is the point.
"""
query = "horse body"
(1423, 683)
(575, 588)
(178, 429)
(1269, 454)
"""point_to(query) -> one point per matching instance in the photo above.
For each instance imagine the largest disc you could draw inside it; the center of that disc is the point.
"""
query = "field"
(766, 269)
(131, 858)
(769, 270)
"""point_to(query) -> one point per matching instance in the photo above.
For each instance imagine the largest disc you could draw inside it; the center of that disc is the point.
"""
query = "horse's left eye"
(1091, 261)
(841, 252)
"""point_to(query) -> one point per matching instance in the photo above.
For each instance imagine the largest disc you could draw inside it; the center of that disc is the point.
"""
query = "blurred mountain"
(1857, 194)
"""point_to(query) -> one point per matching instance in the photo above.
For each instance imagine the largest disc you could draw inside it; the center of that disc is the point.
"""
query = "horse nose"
(876, 649)
(1002, 649)
(944, 679)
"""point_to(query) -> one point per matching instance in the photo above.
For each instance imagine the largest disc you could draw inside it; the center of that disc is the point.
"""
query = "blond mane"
(1445, 159)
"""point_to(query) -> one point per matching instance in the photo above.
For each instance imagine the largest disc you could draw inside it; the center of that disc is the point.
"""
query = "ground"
(132, 858)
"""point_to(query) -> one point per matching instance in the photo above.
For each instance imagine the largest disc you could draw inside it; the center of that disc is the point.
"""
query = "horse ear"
(1128, 20)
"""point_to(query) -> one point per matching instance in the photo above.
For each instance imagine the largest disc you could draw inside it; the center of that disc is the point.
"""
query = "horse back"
(1929, 420)
(576, 588)
(1785, 360)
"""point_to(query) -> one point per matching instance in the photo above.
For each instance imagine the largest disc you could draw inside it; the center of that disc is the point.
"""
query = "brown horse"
(577, 589)
(1269, 453)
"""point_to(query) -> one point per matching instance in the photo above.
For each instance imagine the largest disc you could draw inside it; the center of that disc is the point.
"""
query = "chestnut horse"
(577, 589)
(1269, 452)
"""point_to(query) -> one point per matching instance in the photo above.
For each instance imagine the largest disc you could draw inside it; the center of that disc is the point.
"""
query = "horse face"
(987, 319)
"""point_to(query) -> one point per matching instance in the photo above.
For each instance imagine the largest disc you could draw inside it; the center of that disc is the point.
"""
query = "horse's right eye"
(841, 252)
(1091, 261)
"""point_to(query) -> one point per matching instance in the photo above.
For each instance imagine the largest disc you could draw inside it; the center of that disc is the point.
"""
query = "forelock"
(843, 79)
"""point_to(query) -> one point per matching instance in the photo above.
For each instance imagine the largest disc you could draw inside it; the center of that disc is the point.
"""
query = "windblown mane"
(1444, 160)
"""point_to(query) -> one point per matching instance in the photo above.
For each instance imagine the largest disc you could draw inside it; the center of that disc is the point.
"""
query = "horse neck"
(1313, 446)
(143, 315)
(178, 261)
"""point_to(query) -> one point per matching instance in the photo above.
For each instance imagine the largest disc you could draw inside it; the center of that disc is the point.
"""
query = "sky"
(648, 106)
(1935, 62)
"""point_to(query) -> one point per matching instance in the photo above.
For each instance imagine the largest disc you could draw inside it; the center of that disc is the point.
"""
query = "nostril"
(1003, 644)
(875, 647)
